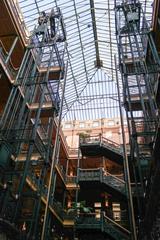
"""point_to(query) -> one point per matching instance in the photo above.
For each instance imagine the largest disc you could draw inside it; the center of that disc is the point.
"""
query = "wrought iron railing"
(99, 174)
(12, 71)
(15, 10)
(88, 220)
(71, 179)
(62, 172)
(102, 141)
(18, 136)
(104, 223)
(84, 220)
(53, 203)
(114, 229)
(73, 152)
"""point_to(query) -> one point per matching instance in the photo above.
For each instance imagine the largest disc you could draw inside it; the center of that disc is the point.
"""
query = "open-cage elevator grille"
(90, 27)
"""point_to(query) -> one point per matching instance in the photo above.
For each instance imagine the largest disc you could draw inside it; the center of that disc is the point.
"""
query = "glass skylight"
(91, 86)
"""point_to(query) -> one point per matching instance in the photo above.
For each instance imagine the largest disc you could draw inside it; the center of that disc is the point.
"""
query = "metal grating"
(92, 45)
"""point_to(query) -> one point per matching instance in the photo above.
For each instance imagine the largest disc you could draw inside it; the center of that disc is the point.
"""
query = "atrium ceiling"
(91, 78)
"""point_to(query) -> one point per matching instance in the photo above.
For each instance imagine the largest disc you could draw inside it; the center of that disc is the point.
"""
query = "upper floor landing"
(13, 33)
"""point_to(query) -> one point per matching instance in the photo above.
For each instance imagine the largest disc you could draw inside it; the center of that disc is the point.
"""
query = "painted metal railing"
(9, 67)
(95, 174)
(104, 223)
(114, 229)
(73, 152)
(102, 141)
(54, 204)
(99, 174)
(18, 18)
(85, 220)
(71, 179)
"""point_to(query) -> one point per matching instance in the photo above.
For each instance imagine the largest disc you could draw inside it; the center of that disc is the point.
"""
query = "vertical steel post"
(67, 166)
(126, 164)
(53, 159)
(77, 178)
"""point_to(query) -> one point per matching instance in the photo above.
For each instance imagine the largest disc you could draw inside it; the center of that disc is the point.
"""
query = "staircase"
(114, 229)
(104, 177)
(100, 146)
(105, 224)
(55, 207)
(114, 182)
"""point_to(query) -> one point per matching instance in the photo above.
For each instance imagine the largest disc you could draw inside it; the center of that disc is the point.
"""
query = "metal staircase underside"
(104, 224)
(54, 206)
(100, 146)
(116, 184)
(104, 177)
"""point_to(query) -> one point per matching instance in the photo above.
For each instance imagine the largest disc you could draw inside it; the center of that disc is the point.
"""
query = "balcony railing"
(83, 220)
(17, 15)
(102, 176)
(97, 174)
(73, 152)
(102, 141)
(22, 137)
(104, 223)
(57, 206)
(114, 228)
(71, 179)
(62, 172)
(11, 70)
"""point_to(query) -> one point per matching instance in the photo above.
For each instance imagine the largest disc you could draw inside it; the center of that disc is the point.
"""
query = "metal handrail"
(57, 208)
(90, 169)
(5, 54)
(24, 134)
(61, 171)
(115, 223)
(70, 179)
(117, 178)
(110, 142)
(101, 140)
(9, 66)
(103, 172)
(73, 151)
(16, 14)
(90, 218)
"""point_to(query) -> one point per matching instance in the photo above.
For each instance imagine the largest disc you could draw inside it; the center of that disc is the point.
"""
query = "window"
(116, 206)
(69, 204)
(117, 216)
(97, 205)
(125, 122)
(96, 124)
(81, 124)
(98, 213)
(110, 123)
(108, 134)
(116, 211)
(71, 173)
(67, 125)
(78, 204)
(106, 204)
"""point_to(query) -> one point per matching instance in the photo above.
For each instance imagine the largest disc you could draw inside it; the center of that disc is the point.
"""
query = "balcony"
(12, 25)
(100, 146)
